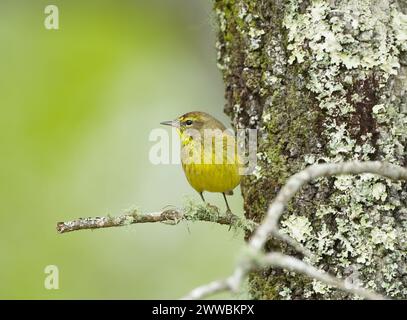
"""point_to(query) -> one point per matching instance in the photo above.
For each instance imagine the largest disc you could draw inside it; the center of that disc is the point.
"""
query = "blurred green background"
(77, 108)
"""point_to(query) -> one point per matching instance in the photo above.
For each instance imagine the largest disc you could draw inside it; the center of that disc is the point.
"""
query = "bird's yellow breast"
(210, 168)
(212, 177)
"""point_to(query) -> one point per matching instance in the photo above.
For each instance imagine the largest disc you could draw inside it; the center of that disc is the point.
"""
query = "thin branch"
(208, 290)
(172, 216)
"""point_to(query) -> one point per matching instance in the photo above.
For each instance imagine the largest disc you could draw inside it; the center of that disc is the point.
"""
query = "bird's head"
(194, 121)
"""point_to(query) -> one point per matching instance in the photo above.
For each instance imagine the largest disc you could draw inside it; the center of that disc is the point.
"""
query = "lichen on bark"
(323, 81)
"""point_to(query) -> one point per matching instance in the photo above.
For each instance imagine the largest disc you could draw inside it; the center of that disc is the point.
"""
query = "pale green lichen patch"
(128, 220)
(193, 211)
(379, 191)
(285, 293)
(385, 237)
(199, 211)
(297, 227)
(320, 287)
(353, 34)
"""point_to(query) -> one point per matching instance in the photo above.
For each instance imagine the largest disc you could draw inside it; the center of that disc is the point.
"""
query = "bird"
(209, 154)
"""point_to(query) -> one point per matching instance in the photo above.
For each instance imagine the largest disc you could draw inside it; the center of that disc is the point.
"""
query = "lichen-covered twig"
(173, 216)
(270, 226)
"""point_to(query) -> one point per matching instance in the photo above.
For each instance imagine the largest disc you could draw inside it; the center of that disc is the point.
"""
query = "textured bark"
(323, 81)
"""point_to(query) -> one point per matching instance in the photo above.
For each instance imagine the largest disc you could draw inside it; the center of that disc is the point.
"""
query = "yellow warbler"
(209, 154)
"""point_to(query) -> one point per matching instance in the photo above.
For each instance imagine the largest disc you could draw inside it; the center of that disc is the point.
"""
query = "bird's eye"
(188, 122)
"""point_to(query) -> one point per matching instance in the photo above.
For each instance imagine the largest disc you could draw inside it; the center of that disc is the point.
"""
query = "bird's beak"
(172, 123)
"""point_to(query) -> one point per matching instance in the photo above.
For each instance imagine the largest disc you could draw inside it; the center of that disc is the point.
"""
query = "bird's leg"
(202, 197)
(227, 204)
(228, 211)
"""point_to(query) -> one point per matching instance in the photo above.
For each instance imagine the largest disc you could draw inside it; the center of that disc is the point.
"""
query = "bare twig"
(270, 227)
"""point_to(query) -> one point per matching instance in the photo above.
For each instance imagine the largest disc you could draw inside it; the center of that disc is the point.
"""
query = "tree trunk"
(323, 81)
